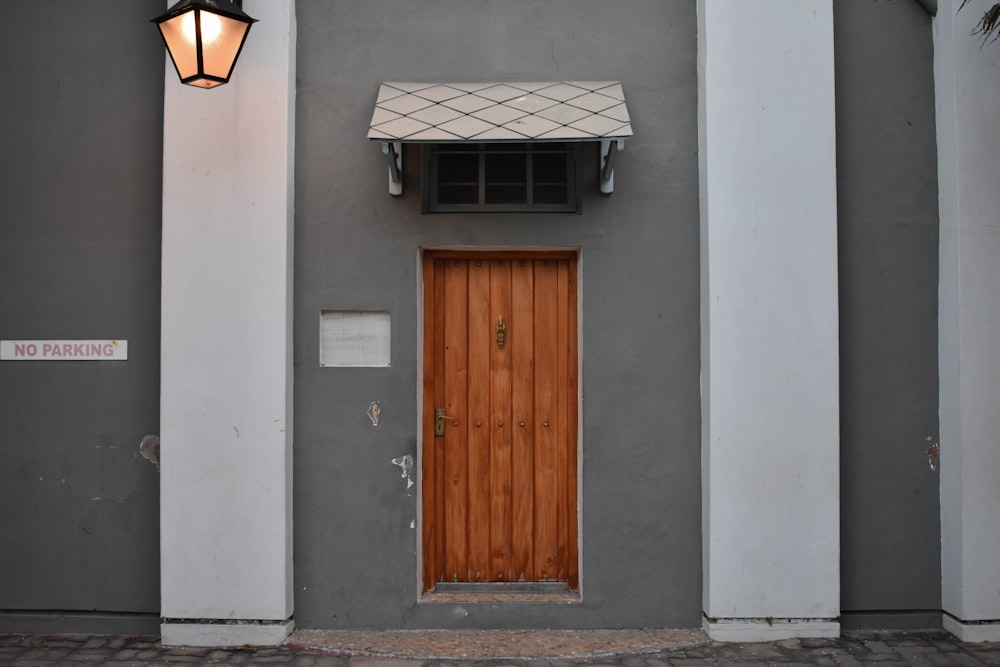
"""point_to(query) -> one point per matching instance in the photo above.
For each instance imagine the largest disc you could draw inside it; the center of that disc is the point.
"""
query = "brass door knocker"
(501, 332)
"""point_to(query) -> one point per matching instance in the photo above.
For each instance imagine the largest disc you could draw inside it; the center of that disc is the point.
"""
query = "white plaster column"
(226, 366)
(770, 422)
(967, 93)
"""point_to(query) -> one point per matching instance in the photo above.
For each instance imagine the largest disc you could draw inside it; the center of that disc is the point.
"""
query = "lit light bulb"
(211, 27)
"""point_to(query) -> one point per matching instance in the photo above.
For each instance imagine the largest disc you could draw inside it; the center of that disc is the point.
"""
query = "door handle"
(439, 417)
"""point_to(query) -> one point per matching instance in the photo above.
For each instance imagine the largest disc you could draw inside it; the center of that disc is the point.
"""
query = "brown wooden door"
(500, 357)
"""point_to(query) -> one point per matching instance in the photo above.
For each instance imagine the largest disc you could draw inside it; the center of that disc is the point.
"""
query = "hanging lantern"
(204, 39)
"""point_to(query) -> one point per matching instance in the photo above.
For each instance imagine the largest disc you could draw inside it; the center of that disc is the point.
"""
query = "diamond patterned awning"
(495, 112)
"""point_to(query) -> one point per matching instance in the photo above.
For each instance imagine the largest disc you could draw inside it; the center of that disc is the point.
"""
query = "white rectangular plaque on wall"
(354, 338)
(63, 350)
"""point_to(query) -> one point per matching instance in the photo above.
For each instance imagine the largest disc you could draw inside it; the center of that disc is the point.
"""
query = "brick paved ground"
(862, 648)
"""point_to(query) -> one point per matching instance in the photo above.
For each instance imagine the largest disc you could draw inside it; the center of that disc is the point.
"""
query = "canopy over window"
(488, 112)
(500, 112)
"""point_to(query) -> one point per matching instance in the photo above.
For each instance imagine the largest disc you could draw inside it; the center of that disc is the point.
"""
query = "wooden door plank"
(546, 411)
(523, 409)
(477, 419)
(562, 407)
(428, 454)
(503, 426)
(573, 433)
(455, 375)
(439, 391)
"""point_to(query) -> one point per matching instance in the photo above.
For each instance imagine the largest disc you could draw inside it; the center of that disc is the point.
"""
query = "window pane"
(551, 194)
(458, 167)
(550, 177)
(549, 168)
(506, 168)
(506, 178)
(458, 177)
(506, 194)
(458, 194)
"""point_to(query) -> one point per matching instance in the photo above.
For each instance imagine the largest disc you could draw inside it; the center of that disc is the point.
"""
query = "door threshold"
(475, 591)
(502, 587)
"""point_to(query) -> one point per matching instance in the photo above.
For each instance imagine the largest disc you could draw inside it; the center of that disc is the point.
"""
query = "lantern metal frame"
(229, 9)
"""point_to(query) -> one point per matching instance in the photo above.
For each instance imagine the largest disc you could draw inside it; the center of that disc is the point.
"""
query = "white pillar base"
(225, 633)
(972, 631)
(768, 630)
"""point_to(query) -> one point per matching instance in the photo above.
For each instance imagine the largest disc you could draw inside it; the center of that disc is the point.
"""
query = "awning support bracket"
(608, 163)
(393, 151)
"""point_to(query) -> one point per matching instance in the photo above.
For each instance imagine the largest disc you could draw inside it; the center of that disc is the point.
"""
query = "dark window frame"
(431, 178)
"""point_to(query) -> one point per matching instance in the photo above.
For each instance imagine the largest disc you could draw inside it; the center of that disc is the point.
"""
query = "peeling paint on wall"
(150, 450)
(406, 463)
(374, 409)
(933, 452)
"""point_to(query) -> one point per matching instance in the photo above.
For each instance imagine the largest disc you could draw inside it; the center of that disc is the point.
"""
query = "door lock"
(439, 417)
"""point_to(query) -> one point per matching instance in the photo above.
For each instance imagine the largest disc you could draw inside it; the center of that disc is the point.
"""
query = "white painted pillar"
(770, 423)
(226, 369)
(968, 111)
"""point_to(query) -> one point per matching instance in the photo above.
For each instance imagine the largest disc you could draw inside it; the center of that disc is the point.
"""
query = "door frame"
(425, 256)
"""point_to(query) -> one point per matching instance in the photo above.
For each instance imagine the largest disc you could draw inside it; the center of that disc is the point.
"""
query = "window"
(500, 177)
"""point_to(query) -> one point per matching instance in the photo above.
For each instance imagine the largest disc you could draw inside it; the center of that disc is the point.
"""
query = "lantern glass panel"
(178, 33)
(222, 38)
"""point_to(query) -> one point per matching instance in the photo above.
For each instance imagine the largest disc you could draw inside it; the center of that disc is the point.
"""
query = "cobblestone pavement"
(854, 648)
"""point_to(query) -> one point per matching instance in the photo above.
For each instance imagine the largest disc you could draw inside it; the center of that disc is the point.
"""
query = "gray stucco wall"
(357, 248)
(887, 200)
(81, 130)
(79, 258)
